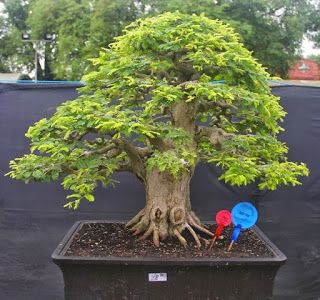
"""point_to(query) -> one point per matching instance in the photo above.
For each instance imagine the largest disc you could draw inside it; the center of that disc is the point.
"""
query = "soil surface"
(112, 239)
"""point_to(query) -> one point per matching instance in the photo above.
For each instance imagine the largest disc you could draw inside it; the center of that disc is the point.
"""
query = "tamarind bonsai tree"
(172, 91)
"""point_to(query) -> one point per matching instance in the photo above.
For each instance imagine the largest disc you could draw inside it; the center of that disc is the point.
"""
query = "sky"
(308, 48)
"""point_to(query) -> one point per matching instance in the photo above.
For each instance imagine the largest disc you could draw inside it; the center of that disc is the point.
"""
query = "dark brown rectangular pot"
(107, 278)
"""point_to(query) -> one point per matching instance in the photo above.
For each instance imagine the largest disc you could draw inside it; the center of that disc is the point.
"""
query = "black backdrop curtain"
(33, 220)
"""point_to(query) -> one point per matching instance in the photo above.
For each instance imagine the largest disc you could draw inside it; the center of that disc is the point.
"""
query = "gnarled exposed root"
(181, 239)
(135, 219)
(194, 217)
(200, 227)
(155, 237)
(147, 233)
(137, 227)
(160, 223)
(195, 236)
(205, 241)
(139, 230)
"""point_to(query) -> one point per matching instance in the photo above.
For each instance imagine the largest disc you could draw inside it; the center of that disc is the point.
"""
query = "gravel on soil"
(113, 239)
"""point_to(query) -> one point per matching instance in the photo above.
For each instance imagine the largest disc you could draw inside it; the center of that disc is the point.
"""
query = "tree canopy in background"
(314, 24)
(315, 57)
(14, 55)
(271, 29)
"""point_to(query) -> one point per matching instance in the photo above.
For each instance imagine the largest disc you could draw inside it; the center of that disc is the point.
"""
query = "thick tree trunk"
(168, 209)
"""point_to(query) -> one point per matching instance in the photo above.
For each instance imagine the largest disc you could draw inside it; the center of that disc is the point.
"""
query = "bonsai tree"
(172, 91)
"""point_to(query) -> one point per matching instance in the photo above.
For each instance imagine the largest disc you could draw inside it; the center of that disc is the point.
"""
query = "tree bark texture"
(168, 210)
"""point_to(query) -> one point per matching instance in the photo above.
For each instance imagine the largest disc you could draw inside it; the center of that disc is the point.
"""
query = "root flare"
(160, 224)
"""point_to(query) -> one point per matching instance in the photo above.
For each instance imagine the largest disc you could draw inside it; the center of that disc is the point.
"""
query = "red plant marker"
(223, 219)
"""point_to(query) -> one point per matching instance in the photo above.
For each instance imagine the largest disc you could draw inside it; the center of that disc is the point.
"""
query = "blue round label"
(244, 214)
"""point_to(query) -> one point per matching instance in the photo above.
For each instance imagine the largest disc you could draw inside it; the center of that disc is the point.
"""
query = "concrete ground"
(296, 82)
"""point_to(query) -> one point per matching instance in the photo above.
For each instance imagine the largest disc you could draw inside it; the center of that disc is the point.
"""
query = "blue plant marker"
(244, 216)
(236, 233)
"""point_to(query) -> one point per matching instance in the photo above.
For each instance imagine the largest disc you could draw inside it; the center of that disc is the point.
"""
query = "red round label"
(224, 217)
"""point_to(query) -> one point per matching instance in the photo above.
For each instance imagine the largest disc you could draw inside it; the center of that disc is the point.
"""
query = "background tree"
(107, 21)
(3, 66)
(315, 57)
(313, 23)
(70, 20)
(15, 56)
(151, 109)
(82, 27)
(272, 29)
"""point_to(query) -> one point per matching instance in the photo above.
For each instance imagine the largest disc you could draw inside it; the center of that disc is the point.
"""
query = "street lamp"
(25, 36)
(47, 38)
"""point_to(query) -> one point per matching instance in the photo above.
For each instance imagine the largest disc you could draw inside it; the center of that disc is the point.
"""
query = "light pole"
(48, 37)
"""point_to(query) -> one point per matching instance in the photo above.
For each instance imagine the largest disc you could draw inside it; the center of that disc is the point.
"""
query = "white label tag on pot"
(157, 277)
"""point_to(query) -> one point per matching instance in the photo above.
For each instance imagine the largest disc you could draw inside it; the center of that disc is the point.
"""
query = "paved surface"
(310, 83)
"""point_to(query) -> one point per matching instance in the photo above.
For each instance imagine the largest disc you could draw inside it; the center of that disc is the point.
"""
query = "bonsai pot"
(106, 278)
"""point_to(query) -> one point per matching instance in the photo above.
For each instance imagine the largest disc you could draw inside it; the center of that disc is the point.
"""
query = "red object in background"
(305, 69)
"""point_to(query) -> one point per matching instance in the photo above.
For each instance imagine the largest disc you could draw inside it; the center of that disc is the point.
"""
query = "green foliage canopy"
(150, 103)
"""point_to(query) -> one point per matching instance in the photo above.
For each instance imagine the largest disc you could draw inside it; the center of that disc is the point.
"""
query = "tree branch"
(159, 118)
(124, 167)
(76, 136)
(160, 144)
(204, 107)
(144, 151)
(188, 82)
(136, 160)
(99, 151)
(215, 135)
